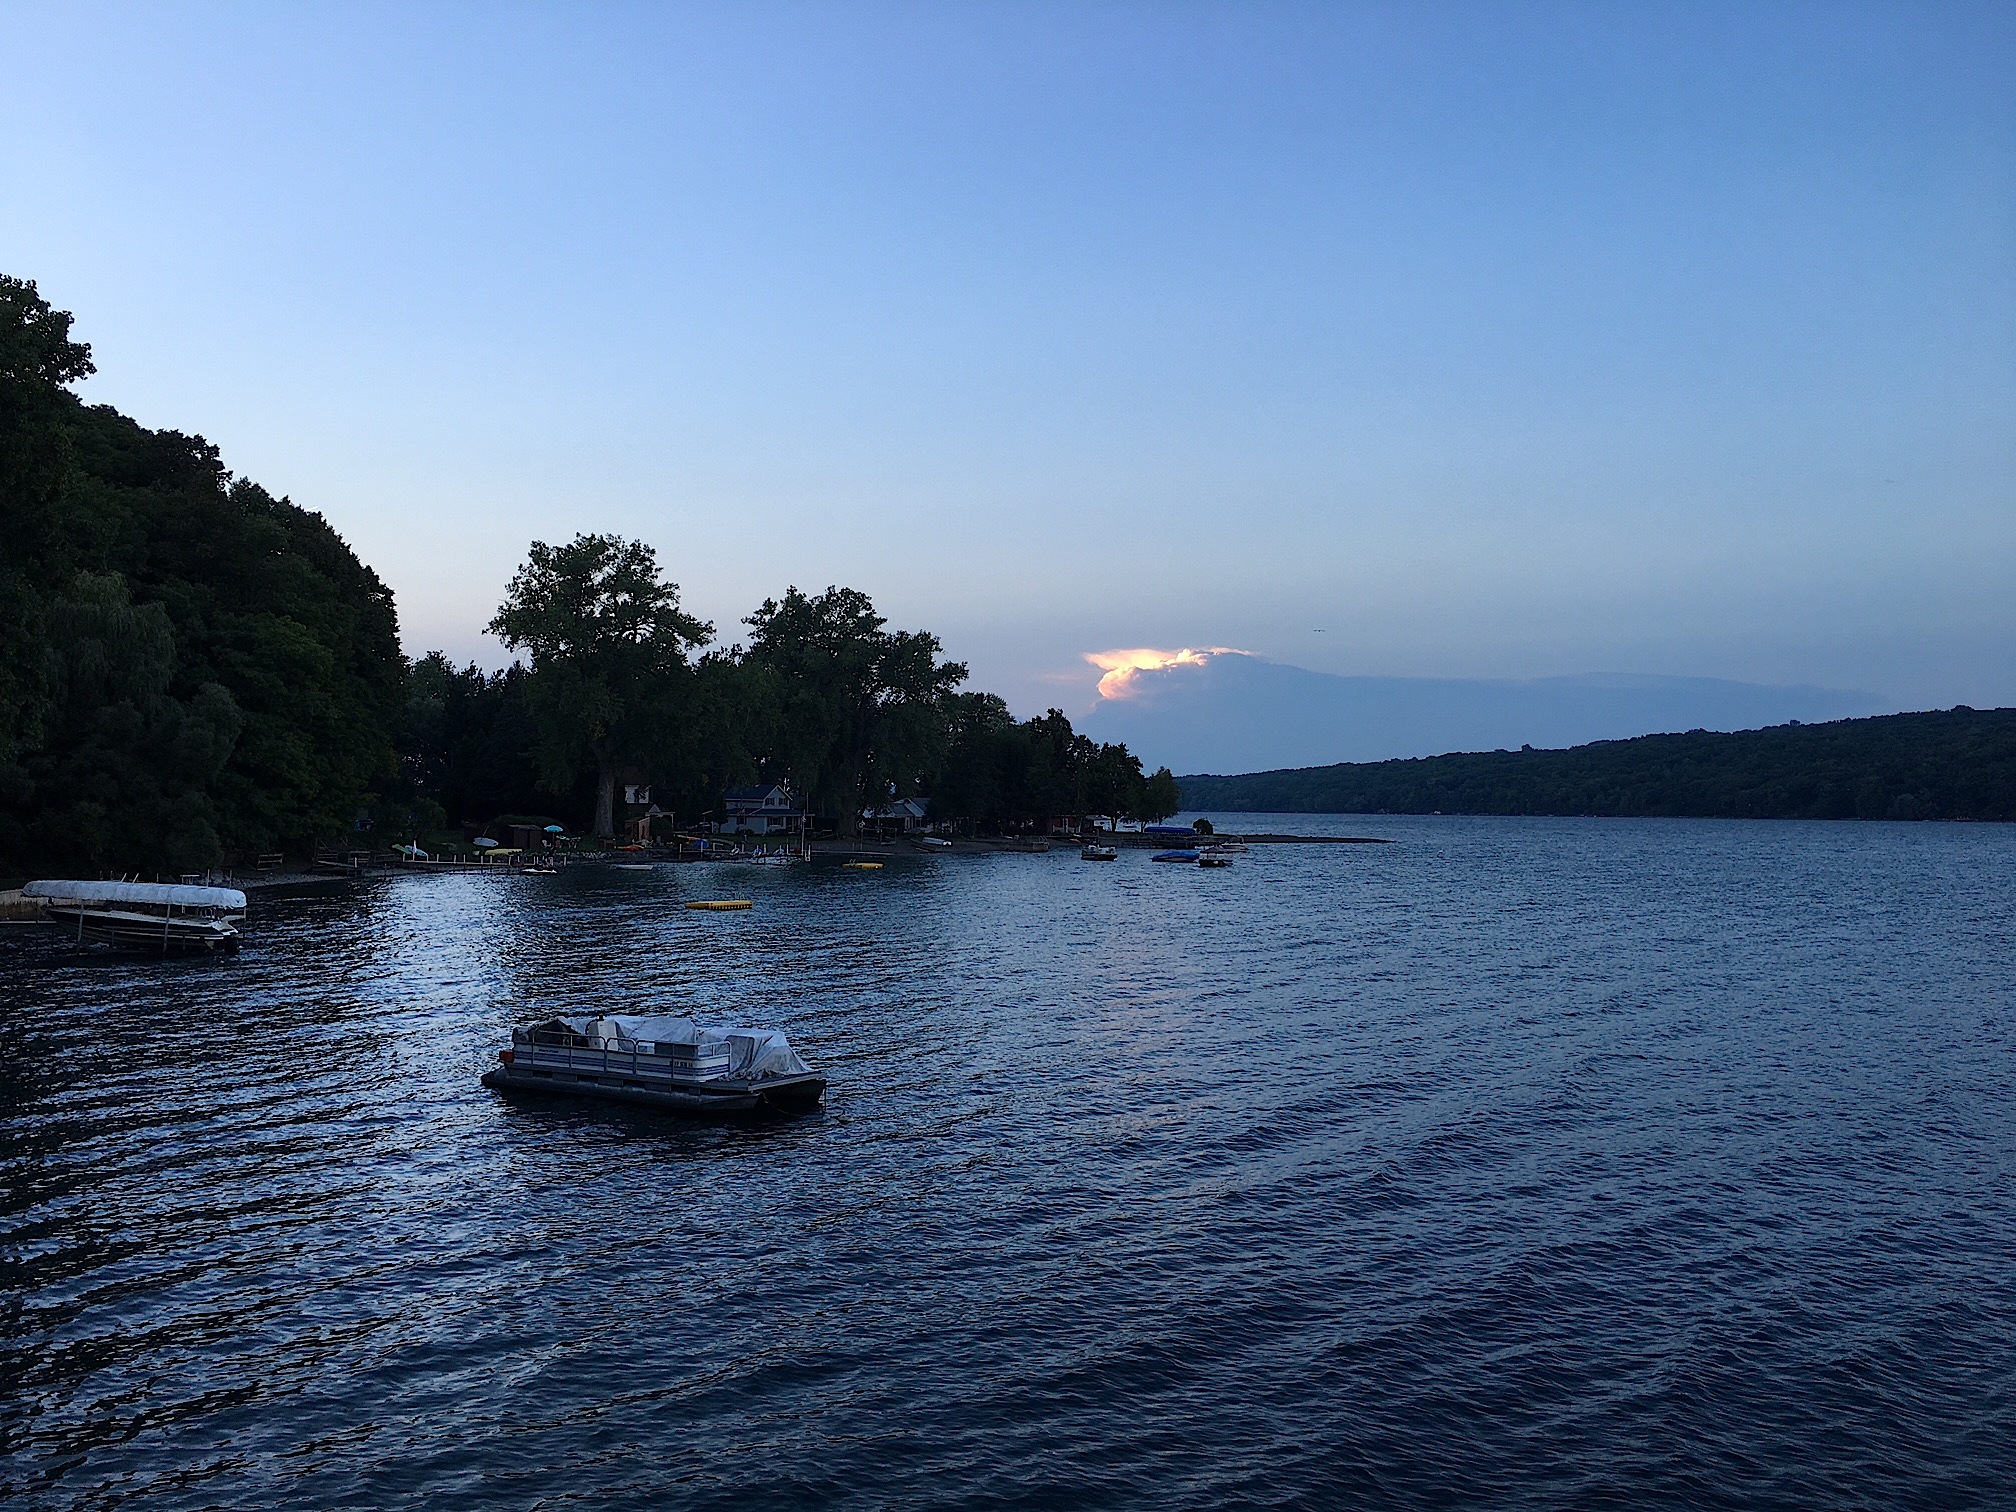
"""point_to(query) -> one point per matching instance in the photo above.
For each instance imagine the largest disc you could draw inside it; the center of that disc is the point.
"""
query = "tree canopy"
(857, 710)
(188, 666)
(609, 647)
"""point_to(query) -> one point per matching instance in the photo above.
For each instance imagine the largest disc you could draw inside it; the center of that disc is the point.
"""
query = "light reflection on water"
(1523, 1160)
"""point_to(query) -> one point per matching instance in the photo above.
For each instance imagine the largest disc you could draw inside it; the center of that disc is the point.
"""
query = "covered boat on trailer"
(156, 916)
(659, 1061)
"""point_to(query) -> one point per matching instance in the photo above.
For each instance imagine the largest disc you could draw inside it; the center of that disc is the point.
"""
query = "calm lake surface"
(1519, 1163)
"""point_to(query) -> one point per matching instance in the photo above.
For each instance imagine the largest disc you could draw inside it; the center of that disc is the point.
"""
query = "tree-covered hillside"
(1956, 764)
(188, 665)
(193, 672)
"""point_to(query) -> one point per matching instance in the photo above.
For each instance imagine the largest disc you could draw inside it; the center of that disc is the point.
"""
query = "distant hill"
(1231, 712)
(1955, 764)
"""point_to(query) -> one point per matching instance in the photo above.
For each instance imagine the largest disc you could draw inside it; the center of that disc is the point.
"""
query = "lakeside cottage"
(762, 809)
(899, 816)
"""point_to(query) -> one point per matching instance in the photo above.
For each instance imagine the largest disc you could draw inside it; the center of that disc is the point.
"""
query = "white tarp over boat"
(156, 894)
(752, 1053)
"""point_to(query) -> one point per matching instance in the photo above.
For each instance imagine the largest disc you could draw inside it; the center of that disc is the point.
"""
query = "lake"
(1520, 1162)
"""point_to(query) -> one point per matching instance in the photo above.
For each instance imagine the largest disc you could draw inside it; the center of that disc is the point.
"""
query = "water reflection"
(1407, 1172)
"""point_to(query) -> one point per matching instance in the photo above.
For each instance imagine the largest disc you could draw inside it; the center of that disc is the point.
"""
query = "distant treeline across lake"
(1952, 764)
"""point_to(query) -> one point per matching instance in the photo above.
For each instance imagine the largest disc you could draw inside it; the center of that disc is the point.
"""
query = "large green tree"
(609, 645)
(1160, 797)
(859, 709)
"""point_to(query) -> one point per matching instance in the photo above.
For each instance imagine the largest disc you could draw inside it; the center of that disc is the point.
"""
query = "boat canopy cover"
(156, 893)
(752, 1053)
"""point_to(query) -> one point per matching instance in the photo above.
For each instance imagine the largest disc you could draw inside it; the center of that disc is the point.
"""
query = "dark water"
(1523, 1163)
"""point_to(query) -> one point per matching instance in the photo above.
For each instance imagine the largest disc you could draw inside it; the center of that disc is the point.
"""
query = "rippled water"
(1522, 1162)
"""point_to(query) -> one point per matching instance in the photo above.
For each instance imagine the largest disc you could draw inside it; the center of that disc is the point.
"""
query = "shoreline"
(293, 883)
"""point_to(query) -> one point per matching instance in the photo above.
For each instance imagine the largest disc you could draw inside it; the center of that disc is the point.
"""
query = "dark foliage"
(825, 697)
(1001, 775)
(191, 667)
(609, 648)
(1955, 764)
(467, 743)
(856, 709)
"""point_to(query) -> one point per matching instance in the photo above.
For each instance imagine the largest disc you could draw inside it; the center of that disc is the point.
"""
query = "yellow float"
(861, 866)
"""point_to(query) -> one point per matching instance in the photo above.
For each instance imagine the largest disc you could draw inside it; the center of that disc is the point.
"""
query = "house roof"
(898, 808)
(755, 793)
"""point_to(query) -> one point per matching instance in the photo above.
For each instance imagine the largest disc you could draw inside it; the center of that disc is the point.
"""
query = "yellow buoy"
(720, 905)
(861, 866)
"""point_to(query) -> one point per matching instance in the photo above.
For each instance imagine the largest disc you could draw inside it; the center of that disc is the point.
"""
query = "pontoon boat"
(659, 1061)
(162, 917)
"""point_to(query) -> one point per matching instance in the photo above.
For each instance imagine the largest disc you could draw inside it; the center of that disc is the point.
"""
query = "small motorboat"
(1099, 853)
(658, 1061)
(1175, 855)
(161, 917)
(1213, 858)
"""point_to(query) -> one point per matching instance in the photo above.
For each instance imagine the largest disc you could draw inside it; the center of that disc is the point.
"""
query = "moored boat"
(156, 916)
(1095, 852)
(659, 1061)
(1213, 858)
(1174, 855)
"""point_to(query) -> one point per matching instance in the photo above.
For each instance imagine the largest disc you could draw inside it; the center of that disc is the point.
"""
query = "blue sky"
(1470, 340)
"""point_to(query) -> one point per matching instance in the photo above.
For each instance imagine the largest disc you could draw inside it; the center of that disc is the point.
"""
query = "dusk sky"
(1482, 340)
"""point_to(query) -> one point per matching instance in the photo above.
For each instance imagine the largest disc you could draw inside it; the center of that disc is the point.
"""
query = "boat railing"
(572, 1052)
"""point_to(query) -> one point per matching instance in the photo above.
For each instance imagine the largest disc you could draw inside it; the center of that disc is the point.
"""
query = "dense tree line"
(188, 666)
(823, 696)
(1955, 764)
(193, 671)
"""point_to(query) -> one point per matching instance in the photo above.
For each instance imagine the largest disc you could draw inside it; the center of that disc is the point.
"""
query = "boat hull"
(721, 1097)
(126, 931)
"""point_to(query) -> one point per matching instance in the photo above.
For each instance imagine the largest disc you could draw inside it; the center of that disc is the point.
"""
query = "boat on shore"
(930, 843)
(664, 1061)
(165, 918)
